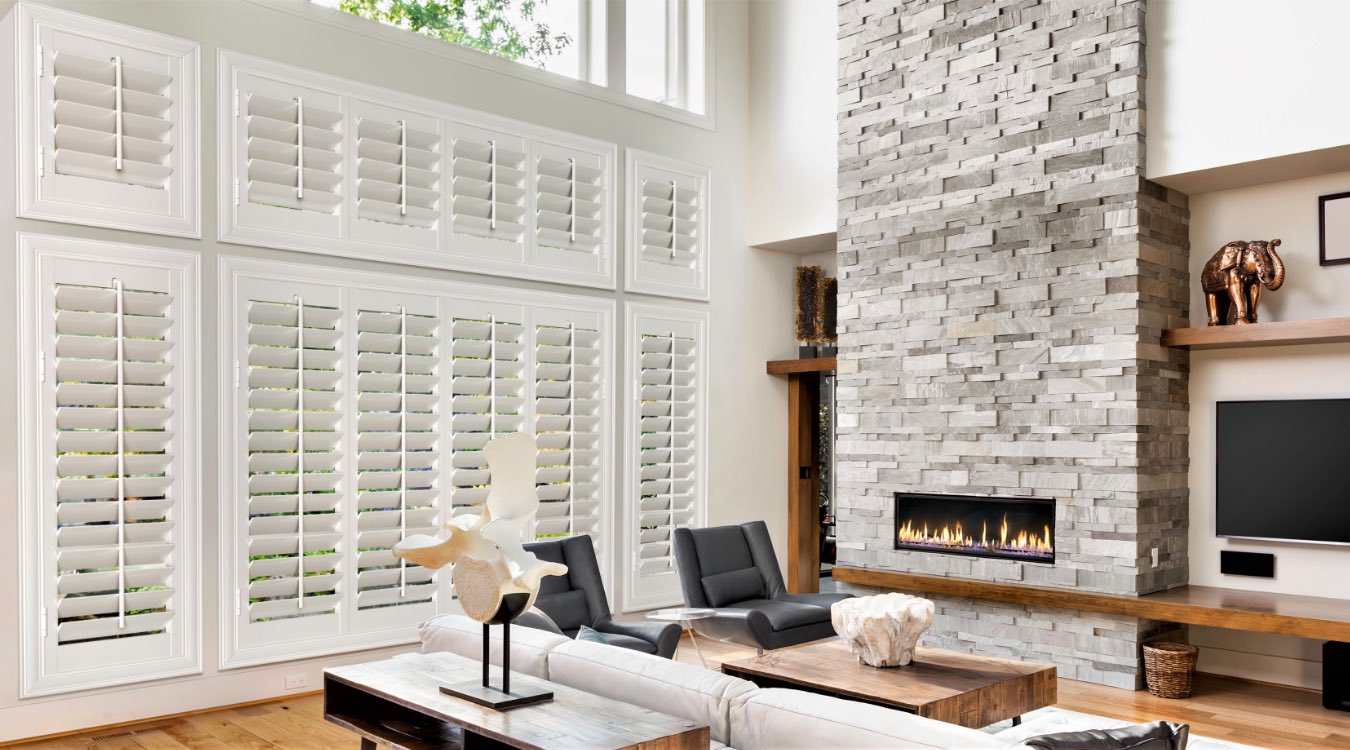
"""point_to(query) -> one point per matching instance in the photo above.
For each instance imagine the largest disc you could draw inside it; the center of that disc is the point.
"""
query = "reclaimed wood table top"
(370, 698)
(966, 689)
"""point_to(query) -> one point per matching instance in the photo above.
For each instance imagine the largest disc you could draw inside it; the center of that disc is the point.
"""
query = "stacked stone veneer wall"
(1005, 276)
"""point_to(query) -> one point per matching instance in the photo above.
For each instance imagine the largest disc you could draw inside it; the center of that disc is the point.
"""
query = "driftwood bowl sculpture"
(882, 630)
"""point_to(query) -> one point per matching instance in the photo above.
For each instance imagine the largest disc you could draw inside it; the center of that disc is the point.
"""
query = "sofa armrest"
(664, 635)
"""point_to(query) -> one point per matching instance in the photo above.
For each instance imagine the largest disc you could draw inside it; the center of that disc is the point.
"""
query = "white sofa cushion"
(1052, 720)
(683, 690)
(775, 718)
(460, 635)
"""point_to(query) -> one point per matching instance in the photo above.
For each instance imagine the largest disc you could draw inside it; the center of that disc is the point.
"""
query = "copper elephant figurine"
(1233, 278)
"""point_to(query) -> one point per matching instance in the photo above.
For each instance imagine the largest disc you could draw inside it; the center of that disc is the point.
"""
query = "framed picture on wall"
(1333, 216)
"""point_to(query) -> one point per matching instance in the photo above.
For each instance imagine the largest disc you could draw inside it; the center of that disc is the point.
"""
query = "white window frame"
(639, 593)
(531, 261)
(39, 675)
(36, 166)
(651, 278)
(612, 90)
(233, 271)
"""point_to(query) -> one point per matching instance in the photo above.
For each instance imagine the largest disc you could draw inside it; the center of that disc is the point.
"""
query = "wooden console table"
(1253, 611)
(397, 702)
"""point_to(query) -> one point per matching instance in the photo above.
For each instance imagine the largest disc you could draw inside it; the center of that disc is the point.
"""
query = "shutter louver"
(112, 462)
(112, 121)
(568, 378)
(667, 488)
(487, 387)
(108, 124)
(397, 362)
(294, 153)
(668, 227)
(113, 514)
(488, 187)
(569, 201)
(294, 424)
(398, 171)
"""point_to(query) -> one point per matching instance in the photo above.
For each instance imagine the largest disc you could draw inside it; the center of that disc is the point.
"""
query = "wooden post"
(803, 483)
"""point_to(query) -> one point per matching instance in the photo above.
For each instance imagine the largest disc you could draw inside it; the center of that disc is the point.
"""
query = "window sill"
(376, 30)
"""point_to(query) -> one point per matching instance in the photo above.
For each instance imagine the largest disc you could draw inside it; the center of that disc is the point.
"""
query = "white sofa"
(739, 714)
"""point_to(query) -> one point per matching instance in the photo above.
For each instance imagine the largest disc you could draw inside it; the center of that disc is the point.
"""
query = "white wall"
(793, 130)
(1287, 210)
(1235, 81)
(751, 306)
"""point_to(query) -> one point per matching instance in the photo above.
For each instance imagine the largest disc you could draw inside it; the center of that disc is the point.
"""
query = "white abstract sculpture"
(882, 630)
(491, 568)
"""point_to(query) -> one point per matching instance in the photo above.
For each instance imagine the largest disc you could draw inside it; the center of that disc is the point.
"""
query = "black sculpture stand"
(491, 697)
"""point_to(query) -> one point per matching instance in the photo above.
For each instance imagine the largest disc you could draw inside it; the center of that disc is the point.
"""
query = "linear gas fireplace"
(1007, 528)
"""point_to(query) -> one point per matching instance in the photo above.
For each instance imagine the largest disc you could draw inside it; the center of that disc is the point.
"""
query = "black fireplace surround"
(1005, 528)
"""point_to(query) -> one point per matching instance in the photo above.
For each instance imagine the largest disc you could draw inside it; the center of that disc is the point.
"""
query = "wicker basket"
(1169, 668)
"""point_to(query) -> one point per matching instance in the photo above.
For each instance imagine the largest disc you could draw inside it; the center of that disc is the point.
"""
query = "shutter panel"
(487, 389)
(289, 153)
(113, 125)
(398, 177)
(117, 507)
(568, 388)
(667, 483)
(668, 227)
(397, 427)
(488, 191)
(293, 490)
(572, 225)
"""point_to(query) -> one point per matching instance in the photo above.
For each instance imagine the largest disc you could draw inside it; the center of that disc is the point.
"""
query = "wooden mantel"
(1253, 611)
(1279, 333)
(794, 366)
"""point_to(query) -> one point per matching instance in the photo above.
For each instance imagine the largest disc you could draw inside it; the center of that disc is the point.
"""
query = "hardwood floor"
(1249, 713)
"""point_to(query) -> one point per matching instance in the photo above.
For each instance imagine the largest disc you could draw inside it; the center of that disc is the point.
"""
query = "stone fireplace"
(1006, 272)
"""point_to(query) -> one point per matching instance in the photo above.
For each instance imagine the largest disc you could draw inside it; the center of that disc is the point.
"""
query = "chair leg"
(759, 650)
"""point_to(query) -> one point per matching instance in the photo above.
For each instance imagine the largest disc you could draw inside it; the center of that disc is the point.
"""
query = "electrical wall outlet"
(296, 682)
(1155, 557)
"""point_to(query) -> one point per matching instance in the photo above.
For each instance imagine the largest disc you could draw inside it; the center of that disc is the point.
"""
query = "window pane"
(648, 43)
(549, 37)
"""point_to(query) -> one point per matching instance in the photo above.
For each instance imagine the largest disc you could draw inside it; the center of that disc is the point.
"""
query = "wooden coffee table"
(973, 691)
(397, 703)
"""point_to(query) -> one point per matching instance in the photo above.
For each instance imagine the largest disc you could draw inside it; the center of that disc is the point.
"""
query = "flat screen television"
(1284, 470)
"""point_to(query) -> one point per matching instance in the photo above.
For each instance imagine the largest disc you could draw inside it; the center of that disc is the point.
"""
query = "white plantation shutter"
(398, 371)
(110, 113)
(568, 397)
(291, 554)
(398, 177)
(487, 390)
(573, 229)
(289, 157)
(667, 484)
(667, 227)
(115, 507)
(488, 191)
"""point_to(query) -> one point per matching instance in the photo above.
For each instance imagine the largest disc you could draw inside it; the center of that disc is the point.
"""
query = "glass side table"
(683, 615)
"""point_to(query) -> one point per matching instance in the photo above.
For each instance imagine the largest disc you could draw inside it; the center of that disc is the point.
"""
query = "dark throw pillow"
(1160, 735)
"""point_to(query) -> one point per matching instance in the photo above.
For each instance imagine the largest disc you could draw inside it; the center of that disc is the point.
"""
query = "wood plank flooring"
(1249, 713)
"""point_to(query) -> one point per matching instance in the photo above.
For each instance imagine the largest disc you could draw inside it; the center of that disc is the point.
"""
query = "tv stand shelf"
(1280, 333)
(1253, 611)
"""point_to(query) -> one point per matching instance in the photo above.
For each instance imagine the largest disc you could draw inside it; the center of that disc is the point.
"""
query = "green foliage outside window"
(486, 25)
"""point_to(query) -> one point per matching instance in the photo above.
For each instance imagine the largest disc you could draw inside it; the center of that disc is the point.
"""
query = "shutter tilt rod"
(674, 196)
(572, 200)
(492, 184)
(402, 443)
(300, 452)
(117, 108)
(300, 149)
(121, 460)
(670, 434)
(571, 427)
(402, 172)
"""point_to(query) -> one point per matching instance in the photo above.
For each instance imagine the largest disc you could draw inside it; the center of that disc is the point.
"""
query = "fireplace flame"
(954, 536)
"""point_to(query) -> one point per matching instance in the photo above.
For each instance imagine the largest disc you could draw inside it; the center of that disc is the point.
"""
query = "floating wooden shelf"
(1252, 611)
(1281, 333)
(793, 366)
